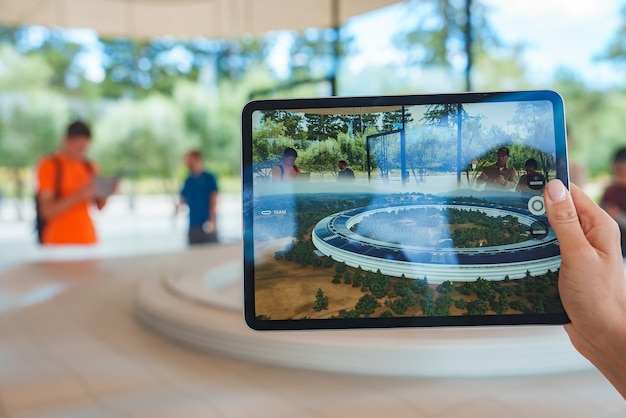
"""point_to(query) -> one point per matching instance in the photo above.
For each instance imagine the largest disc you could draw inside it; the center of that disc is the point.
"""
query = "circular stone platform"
(203, 309)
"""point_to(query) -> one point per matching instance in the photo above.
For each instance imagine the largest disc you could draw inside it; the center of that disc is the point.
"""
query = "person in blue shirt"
(199, 193)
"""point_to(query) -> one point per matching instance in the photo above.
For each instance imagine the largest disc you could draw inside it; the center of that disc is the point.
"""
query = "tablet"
(105, 186)
(438, 222)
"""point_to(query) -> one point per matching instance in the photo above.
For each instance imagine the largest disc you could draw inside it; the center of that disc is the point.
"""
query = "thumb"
(578, 222)
(563, 217)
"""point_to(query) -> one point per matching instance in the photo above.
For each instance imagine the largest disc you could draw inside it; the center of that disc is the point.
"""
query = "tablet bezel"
(371, 101)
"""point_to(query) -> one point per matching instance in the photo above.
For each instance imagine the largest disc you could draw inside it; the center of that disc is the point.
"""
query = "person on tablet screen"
(344, 174)
(287, 169)
(199, 193)
(499, 175)
(66, 189)
(591, 281)
(533, 181)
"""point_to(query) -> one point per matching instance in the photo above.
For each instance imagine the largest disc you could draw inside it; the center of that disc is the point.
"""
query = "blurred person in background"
(199, 193)
(577, 172)
(66, 188)
(614, 198)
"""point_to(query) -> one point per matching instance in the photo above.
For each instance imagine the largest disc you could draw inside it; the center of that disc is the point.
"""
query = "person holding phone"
(592, 285)
(66, 190)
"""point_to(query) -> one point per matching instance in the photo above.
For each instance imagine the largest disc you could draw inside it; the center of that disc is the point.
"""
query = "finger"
(576, 220)
(563, 217)
(598, 226)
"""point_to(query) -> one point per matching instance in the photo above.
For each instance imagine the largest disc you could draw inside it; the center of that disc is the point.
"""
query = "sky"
(556, 33)
(567, 33)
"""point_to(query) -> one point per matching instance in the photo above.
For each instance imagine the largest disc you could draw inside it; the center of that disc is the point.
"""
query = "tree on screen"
(367, 305)
(321, 301)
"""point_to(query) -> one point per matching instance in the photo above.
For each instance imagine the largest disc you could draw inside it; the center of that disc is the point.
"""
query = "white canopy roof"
(145, 19)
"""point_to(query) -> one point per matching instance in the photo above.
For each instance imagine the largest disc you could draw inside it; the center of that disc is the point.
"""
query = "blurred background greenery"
(148, 101)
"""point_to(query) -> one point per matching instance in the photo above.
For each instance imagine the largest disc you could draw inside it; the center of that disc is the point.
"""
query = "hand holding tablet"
(591, 279)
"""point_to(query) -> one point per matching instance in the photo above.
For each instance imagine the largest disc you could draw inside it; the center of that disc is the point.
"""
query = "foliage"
(321, 301)
(366, 305)
(207, 81)
(442, 305)
(32, 127)
(320, 158)
(23, 72)
(144, 137)
(477, 307)
(446, 287)
(435, 32)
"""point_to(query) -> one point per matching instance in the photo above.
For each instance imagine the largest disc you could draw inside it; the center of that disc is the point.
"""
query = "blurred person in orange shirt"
(66, 189)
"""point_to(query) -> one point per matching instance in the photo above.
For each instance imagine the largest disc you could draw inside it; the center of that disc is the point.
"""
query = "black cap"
(503, 151)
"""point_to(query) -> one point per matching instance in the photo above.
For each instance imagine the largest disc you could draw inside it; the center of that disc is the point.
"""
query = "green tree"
(340, 267)
(423, 154)
(321, 301)
(449, 116)
(23, 72)
(419, 286)
(500, 305)
(442, 305)
(204, 123)
(519, 306)
(395, 119)
(292, 122)
(143, 138)
(445, 287)
(320, 158)
(366, 305)
(321, 126)
(477, 307)
(348, 314)
(436, 33)
(400, 305)
(32, 127)
(427, 304)
(467, 288)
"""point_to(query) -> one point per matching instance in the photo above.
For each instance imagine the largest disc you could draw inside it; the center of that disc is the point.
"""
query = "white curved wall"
(438, 273)
(435, 272)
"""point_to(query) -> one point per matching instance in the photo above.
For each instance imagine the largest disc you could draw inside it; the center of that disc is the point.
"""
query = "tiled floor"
(71, 347)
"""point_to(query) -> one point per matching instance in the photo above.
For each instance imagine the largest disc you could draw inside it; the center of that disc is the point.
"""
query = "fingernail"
(557, 191)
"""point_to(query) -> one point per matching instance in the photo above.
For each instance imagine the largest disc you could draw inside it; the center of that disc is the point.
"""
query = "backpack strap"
(40, 223)
(282, 171)
(58, 173)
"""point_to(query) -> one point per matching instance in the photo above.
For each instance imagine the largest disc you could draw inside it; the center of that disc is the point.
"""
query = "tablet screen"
(422, 210)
